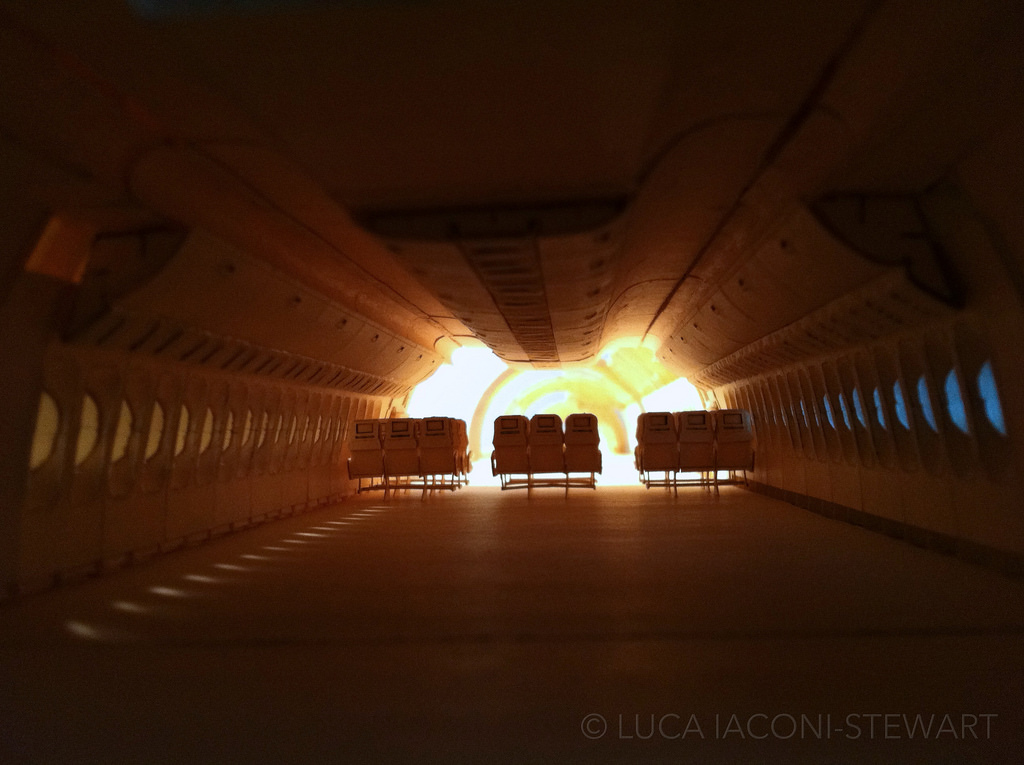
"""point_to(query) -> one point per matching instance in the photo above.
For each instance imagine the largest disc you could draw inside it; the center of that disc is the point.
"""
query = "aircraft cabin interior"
(763, 259)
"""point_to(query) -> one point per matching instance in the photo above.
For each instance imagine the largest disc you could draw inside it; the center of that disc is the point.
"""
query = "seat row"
(391, 453)
(539, 448)
(703, 442)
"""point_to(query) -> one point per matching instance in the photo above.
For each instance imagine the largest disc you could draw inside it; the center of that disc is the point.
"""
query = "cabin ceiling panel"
(443, 268)
(512, 274)
(664, 140)
(533, 297)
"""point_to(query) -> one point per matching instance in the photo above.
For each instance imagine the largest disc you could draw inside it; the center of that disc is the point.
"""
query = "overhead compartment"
(212, 304)
(804, 292)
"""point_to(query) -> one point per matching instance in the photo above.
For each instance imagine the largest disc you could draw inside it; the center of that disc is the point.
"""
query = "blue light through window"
(828, 411)
(879, 412)
(955, 402)
(859, 408)
(846, 411)
(901, 405)
(926, 403)
(990, 397)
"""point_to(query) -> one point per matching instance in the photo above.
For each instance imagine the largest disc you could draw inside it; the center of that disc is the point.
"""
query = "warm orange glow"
(455, 388)
(626, 380)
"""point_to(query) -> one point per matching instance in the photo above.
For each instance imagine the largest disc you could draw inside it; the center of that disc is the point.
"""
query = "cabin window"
(924, 399)
(207, 435)
(264, 424)
(183, 420)
(156, 431)
(990, 397)
(45, 436)
(247, 428)
(845, 412)
(829, 415)
(123, 433)
(815, 414)
(342, 422)
(955, 402)
(793, 409)
(858, 407)
(879, 411)
(901, 405)
(229, 431)
(88, 430)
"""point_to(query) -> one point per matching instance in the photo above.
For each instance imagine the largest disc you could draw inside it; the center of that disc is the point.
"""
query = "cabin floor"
(620, 625)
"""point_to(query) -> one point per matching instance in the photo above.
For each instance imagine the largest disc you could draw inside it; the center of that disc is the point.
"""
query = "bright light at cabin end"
(625, 381)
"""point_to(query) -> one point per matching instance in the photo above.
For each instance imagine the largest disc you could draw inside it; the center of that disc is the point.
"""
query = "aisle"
(619, 626)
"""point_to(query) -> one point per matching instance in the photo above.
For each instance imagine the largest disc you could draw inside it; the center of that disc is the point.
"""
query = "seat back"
(696, 440)
(546, 444)
(734, 436)
(438, 448)
(582, 454)
(401, 457)
(657, 442)
(364, 444)
(511, 434)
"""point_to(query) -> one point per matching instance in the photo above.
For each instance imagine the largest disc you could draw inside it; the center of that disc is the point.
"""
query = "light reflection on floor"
(129, 607)
(96, 633)
(328, 531)
(170, 592)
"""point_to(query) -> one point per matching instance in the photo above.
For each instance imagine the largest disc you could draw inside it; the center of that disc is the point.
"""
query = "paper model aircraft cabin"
(238, 237)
